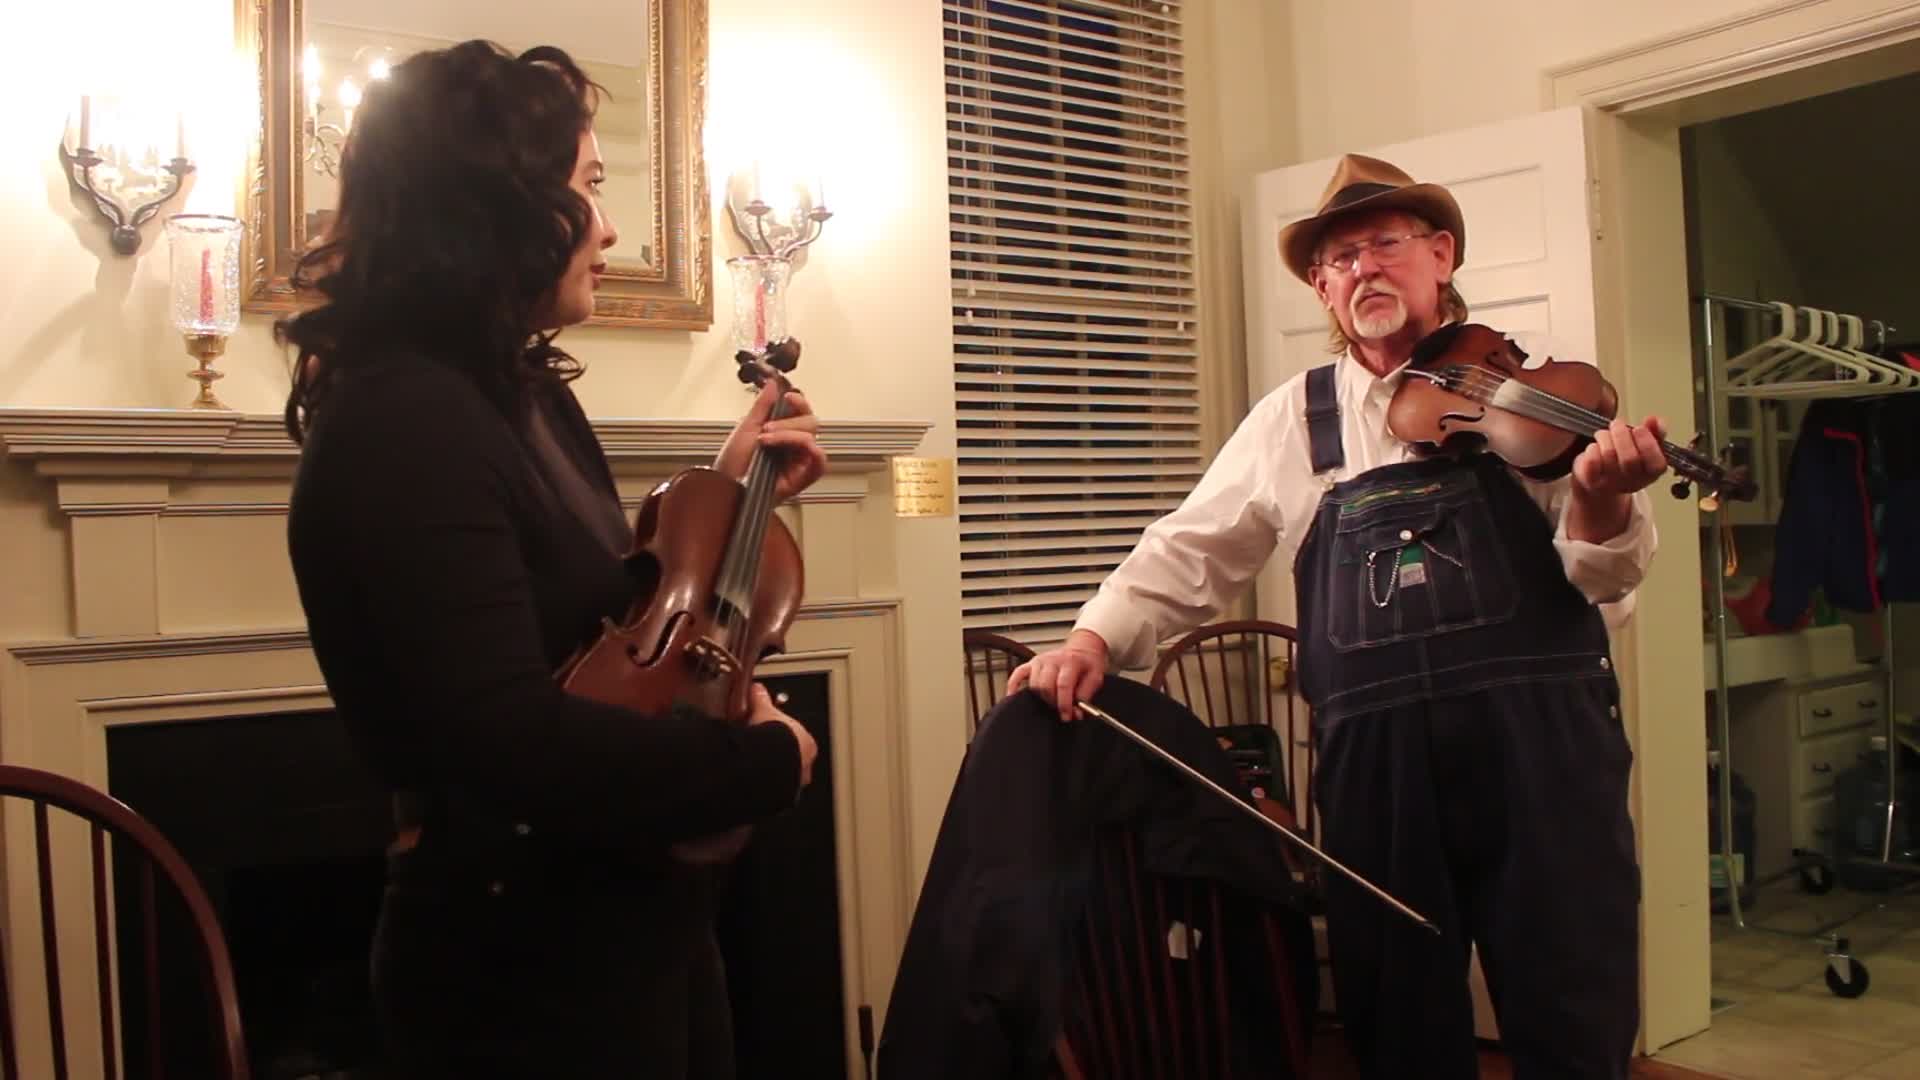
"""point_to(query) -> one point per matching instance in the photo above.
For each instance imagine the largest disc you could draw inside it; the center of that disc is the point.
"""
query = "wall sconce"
(206, 290)
(779, 218)
(325, 137)
(776, 221)
(123, 175)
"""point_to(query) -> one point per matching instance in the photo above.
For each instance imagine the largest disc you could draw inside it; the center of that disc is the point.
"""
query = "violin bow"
(1241, 804)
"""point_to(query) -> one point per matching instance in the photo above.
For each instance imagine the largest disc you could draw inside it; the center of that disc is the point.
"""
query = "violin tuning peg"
(1709, 503)
(785, 356)
(1681, 489)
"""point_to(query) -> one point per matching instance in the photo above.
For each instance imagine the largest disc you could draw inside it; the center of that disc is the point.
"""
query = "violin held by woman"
(719, 580)
(1468, 387)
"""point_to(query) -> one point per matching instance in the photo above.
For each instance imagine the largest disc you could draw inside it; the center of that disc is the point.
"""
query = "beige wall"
(1388, 70)
(1243, 123)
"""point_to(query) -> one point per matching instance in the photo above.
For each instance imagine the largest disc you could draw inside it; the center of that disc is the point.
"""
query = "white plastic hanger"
(1740, 369)
(1790, 351)
(1821, 370)
(1889, 374)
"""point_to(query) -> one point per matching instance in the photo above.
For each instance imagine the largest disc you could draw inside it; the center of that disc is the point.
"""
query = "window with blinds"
(1073, 296)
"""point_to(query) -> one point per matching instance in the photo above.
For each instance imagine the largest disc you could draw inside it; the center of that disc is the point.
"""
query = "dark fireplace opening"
(286, 833)
(779, 923)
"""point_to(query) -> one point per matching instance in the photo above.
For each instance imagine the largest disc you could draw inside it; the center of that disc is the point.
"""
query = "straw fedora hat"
(1363, 183)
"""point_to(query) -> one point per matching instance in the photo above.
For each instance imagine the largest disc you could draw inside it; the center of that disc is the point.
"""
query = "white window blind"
(1073, 296)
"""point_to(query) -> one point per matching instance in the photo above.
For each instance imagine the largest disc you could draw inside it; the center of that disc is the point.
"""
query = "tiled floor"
(1777, 1020)
(1332, 1062)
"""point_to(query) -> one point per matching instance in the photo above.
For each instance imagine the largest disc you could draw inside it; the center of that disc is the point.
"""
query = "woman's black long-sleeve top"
(445, 577)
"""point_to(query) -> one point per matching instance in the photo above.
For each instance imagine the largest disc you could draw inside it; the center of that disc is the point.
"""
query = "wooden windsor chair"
(1182, 978)
(990, 659)
(134, 836)
(1238, 677)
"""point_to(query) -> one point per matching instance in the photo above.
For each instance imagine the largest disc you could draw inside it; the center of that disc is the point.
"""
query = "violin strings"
(743, 558)
(1480, 385)
(758, 502)
(1489, 383)
(1551, 409)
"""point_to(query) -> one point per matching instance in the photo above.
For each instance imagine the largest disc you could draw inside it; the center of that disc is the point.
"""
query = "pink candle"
(206, 288)
(759, 318)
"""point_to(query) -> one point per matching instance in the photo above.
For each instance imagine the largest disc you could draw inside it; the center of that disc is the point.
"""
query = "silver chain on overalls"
(1393, 580)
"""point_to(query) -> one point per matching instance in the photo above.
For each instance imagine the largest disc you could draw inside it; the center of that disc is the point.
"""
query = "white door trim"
(1745, 48)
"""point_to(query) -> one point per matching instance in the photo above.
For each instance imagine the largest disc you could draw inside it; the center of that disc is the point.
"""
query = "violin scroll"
(1718, 477)
(780, 357)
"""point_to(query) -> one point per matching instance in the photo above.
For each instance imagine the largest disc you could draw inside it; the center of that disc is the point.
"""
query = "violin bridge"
(1509, 395)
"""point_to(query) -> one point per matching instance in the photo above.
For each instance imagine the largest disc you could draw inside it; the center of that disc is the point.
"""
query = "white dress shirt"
(1259, 496)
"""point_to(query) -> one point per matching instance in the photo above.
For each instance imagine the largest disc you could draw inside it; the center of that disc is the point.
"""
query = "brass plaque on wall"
(922, 487)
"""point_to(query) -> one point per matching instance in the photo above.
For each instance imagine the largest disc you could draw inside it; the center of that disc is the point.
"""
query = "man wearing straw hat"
(1452, 646)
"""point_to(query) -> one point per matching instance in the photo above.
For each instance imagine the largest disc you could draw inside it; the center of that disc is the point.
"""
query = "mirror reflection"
(349, 44)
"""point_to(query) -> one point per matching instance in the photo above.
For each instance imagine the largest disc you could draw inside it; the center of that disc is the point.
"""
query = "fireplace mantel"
(173, 442)
(150, 584)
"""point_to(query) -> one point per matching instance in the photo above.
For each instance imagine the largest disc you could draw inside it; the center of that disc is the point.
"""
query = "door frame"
(1640, 97)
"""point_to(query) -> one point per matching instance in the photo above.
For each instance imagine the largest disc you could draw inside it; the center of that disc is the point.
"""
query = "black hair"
(456, 220)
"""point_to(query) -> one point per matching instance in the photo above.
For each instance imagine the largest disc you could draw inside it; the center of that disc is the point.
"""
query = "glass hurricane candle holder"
(759, 301)
(206, 290)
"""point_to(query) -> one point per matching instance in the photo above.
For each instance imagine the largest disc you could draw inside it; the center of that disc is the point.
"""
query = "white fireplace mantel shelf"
(176, 442)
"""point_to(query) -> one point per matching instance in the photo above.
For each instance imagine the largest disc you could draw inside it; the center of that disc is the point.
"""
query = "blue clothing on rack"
(1850, 521)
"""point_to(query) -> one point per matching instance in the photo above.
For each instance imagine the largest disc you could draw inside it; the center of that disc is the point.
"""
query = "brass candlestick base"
(204, 347)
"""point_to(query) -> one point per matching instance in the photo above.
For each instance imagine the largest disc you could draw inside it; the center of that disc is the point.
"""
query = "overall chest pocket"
(1412, 569)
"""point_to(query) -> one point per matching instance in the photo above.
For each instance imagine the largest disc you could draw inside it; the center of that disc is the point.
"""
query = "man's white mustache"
(1362, 297)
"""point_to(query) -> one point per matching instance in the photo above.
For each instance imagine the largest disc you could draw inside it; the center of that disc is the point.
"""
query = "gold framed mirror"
(651, 55)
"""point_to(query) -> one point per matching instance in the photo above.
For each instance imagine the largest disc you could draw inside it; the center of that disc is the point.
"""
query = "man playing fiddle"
(1471, 756)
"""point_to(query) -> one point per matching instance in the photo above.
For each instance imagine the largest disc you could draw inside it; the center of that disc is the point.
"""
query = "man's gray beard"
(1379, 326)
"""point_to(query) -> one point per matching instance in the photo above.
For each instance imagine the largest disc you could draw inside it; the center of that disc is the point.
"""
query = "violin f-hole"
(1460, 417)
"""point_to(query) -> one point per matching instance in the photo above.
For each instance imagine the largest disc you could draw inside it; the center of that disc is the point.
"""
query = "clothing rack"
(1882, 331)
(1838, 958)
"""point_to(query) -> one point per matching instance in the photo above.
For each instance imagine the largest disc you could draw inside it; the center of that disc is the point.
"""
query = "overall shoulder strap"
(1323, 419)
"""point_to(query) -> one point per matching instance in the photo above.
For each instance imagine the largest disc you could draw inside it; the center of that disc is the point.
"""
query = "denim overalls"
(1472, 763)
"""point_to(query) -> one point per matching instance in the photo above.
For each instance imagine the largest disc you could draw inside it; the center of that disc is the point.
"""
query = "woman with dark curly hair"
(456, 534)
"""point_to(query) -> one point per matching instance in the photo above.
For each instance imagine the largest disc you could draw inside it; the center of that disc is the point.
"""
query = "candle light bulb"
(349, 100)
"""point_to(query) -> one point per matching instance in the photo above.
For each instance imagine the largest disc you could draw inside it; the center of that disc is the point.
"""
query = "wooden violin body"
(719, 580)
(1468, 388)
(1440, 418)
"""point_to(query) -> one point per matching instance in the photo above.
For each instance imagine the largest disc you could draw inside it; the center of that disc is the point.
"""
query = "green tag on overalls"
(1413, 565)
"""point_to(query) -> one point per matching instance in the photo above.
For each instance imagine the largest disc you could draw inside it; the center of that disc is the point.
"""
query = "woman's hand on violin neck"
(764, 711)
(794, 438)
(1622, 460)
